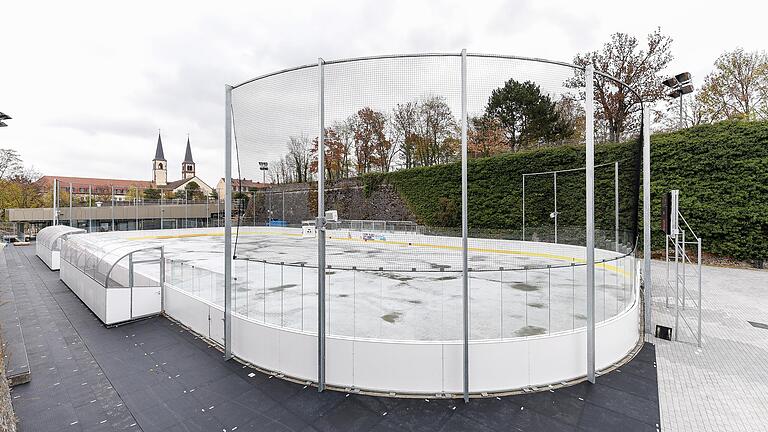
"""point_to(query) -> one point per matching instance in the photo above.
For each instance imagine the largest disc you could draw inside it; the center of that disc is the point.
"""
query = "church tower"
(188, 166)
(160, 165)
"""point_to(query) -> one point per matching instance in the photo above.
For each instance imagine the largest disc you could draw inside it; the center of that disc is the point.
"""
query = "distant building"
(82, 187)
(242, 185)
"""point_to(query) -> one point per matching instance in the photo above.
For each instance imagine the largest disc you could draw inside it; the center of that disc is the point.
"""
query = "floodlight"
(4, 116)
(688, 88)
(674, 94)
(670, 82)
(3, 124)
(683, 77)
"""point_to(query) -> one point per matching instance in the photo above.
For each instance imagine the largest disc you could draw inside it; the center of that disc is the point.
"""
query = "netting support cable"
(464, 223)
(227, 222)
(589, 76)
(320, 229)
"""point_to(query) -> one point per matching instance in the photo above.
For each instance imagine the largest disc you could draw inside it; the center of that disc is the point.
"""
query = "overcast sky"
(88, 84)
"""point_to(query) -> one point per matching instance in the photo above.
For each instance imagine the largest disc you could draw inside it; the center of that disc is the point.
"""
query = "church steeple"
(188, 166)
(159, 150)
(159, 164)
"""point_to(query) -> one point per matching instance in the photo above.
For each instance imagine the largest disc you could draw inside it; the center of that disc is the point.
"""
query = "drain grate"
(759, 325)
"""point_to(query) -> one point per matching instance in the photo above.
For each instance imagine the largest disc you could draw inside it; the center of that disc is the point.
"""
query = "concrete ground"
(722, 386)
(153, 375)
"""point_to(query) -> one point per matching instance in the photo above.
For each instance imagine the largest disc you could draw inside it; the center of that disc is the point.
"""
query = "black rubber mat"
(153, 375)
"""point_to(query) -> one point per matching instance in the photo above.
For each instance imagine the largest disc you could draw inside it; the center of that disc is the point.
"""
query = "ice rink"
(397, 286)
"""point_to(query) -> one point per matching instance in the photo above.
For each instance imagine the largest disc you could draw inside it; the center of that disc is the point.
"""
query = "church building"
(160, 171)
(82, 187)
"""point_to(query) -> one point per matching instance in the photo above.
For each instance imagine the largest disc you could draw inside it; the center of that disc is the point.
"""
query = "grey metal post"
(90, 210)
(685, 258)
(112, 208)
(320, 229)
(464, 222)
(523, 236)
(616, 196)
(136, 206)
(70, 204)
(647, 283)
(227, 222)
(589, 73)
(186, 209)
(554, 182)
(253, 202)
(677, 286)
(698, 242)
(161, 209)
(55, 219)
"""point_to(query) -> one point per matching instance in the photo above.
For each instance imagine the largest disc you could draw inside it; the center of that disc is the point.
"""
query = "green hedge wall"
(721, 171)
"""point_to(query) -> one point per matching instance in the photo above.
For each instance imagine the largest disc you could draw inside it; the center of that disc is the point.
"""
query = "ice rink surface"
(399, 286)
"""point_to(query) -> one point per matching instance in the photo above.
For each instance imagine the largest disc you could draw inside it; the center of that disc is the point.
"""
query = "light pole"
(264, 166)
(680, 85)
(4, 117)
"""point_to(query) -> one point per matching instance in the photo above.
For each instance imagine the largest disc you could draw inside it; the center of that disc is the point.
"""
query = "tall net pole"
(320, 229)
(464, 223)
(228, 222)
(590, 174)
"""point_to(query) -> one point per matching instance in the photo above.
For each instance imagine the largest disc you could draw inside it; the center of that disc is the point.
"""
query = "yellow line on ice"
(609, 267)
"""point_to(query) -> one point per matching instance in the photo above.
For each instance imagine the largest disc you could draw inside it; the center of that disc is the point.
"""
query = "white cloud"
(89, 83)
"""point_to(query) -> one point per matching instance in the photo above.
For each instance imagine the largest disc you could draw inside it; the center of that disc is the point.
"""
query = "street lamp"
(4, 117)
(679, 85)
(264, 166)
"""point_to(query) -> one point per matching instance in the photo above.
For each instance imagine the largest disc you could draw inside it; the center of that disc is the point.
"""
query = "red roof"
(80, 182)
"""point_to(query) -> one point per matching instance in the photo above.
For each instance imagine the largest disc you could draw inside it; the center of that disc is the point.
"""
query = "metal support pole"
(666, 260)
(590, 175)
(677, 286)
(320, 229)
(523, 236)
(70, 204)
(55, 218)
(616, 204)
(112, 208)
(464, 223)
(554, 182)
(253, 202)
(228, 222)
(647, 283)
(136, 206)
(90, 210)
(161, 209)
(685, 264)
(698, 243)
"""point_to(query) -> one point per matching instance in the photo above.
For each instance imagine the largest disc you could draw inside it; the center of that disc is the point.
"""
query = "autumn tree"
(373, 150)
(526, 116)
(638, 67)
(334, 155)
(437, 140)
(738, 87)
(485, 137)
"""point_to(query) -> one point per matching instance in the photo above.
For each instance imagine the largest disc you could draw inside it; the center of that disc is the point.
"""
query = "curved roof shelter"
(51, 236)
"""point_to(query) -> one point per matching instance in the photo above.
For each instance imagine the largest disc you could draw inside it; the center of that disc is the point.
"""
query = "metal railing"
(687, 294)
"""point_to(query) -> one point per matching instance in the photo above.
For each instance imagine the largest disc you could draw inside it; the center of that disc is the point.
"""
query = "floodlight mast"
(680, 85)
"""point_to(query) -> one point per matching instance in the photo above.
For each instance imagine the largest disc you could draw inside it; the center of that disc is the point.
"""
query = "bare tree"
(10, 163)
(738, 87)
(622, 58)
(403, 130)
(299, 157)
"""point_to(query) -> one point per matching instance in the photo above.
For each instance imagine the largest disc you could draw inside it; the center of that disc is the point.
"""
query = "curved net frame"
(394, 147)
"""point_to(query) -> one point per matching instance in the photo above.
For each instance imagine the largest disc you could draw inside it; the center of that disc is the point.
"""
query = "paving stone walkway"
(722, 386)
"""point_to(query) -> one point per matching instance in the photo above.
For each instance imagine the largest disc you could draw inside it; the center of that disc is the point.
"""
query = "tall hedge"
(721, 171)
